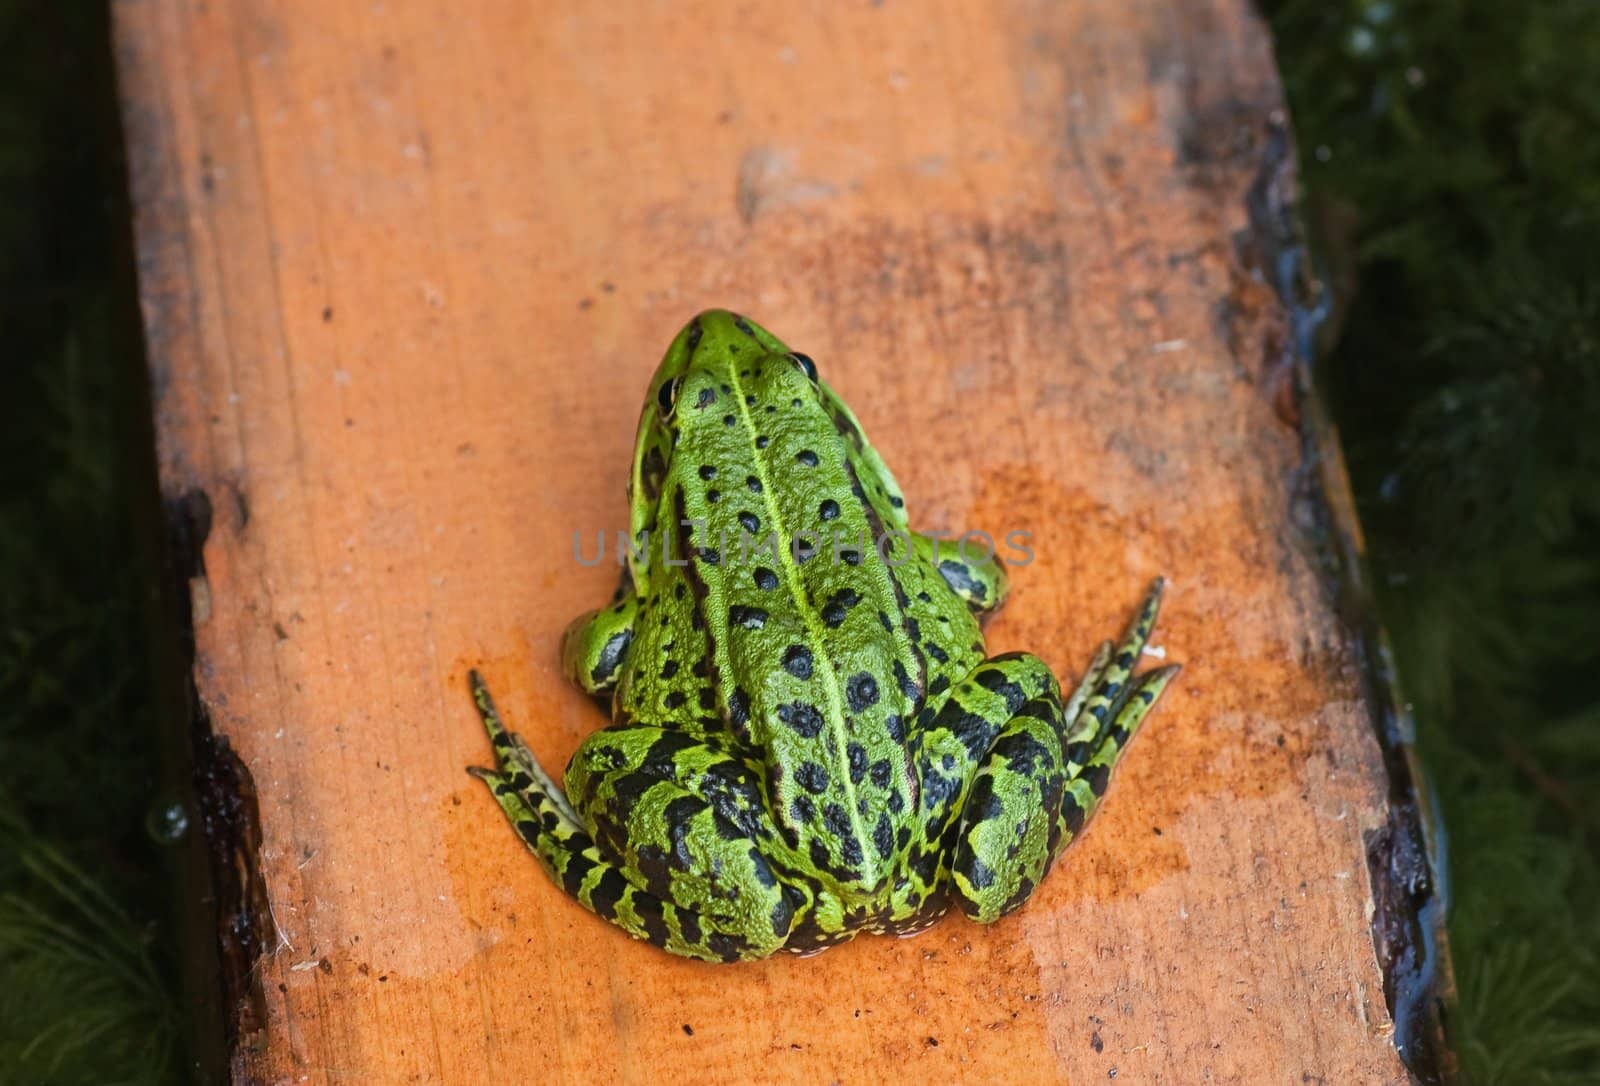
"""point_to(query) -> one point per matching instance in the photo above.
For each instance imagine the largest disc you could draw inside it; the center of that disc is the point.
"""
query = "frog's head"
(723, 383)
(715, 366)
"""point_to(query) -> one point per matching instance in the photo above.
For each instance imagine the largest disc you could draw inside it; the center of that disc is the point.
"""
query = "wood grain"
(405, 270)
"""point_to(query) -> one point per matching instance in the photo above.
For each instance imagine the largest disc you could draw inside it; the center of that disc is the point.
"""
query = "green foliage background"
(1452, 164)
(85, 954)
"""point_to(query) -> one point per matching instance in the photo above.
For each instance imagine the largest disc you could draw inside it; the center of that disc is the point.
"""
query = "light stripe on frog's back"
(849, 661)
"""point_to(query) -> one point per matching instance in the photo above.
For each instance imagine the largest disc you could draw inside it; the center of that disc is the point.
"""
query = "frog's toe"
(1110, 703)
(514, 762)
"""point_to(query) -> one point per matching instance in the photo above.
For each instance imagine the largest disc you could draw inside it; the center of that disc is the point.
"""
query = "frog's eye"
(667, 398)
(807, 367)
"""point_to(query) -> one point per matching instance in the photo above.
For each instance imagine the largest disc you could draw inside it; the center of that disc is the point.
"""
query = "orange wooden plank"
(406, 268)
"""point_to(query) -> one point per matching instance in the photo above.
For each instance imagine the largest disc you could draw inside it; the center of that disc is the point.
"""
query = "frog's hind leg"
(1010, 823)
(689, 820)
(991, 771)
(539, 812)
(1045, 773)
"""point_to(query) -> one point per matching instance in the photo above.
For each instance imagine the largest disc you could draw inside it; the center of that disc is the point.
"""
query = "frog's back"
(784, 626)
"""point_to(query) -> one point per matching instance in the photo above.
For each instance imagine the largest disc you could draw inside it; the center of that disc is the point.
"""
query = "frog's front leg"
(595, 645)
(971, 569)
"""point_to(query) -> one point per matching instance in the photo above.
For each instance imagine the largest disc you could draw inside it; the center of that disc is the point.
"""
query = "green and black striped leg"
(970, 568)
(1111, 703)
(1046, 773)
(691, 819)
(542, 817)
(1001, 725)
(595, 644)
(1009, 825)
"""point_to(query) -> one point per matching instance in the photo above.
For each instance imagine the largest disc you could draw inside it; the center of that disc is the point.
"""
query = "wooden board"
(406, 268)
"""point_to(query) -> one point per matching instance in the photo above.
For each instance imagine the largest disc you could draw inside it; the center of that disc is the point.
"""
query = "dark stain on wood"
(224, 800)
(1408, 932)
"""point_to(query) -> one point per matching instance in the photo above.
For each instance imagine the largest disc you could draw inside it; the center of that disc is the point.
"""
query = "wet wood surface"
(405, 270)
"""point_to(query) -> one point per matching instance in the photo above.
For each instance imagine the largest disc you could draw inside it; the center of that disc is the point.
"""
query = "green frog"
(808, 739)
